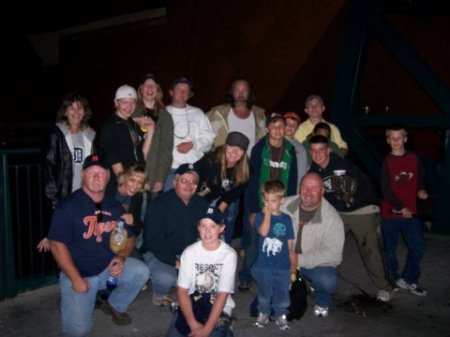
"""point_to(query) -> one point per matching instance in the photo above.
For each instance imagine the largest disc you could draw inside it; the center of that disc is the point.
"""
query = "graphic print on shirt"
(97, 228)
(403, 176)
(78, 155)
(272, 245)
(207, 277)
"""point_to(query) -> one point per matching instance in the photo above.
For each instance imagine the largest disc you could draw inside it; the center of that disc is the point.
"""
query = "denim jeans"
(230, 216)
(163, 276)
(219, 331)
(324, 282)
(411, 231)
(273, 290)
(249, 243)
(168, 184)
(77, 308)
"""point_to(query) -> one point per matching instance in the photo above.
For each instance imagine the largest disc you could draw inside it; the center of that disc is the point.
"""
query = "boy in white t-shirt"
(205, 281)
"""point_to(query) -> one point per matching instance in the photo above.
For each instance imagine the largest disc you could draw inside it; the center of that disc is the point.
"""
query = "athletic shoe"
(282, 322)
(416, 290)
(262, 320)
(383, 295)
(413, 288)
(320, 311)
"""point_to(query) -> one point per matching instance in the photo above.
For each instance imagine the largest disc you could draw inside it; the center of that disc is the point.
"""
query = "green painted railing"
(23, 223)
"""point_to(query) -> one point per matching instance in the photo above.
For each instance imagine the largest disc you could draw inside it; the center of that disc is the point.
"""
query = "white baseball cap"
(125, 91)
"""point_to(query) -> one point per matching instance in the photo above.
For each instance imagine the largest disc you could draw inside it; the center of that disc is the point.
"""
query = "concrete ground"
(35, 313)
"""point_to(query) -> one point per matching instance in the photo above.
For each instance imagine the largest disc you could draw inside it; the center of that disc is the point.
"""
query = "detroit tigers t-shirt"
(75, 223)
(273, 250)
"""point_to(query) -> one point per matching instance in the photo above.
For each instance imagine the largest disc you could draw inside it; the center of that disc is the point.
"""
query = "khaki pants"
(364, 228)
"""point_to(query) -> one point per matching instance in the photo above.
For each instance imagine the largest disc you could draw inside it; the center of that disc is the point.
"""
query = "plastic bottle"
(111, 282)
(118, 238)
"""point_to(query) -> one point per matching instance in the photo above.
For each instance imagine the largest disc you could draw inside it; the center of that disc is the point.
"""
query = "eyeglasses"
(98, 212)
(187, 181)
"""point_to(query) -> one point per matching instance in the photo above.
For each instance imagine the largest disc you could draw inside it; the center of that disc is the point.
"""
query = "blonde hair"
(159, 105)
(241, 172)
(273, 187)
(134, 170)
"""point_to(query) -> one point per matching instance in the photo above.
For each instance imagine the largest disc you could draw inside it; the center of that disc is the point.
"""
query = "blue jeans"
(230, 216)
(324, 282)
(163, 276)
(249, 243)
(168, 184)
(77, 308)
(411, 231)
(273, 290)
(219, 331)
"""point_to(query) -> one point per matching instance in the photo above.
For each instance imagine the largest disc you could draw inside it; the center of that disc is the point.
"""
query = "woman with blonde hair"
(150, 106)
(224, 173)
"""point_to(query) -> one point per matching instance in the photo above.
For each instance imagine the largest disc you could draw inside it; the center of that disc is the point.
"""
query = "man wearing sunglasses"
(79, 236)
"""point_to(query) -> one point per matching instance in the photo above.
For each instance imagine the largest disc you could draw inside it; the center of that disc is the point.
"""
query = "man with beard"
(240, 114)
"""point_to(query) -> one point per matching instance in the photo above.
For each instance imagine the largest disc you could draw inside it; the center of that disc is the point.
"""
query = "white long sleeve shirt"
(190, 124)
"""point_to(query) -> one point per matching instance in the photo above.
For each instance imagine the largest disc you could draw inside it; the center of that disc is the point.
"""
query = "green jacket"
(159, 159)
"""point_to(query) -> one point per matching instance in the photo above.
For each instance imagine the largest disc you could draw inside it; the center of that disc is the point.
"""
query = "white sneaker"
(401, 283)
(320, 311)
(383, 295)
(282, 322)
(262, 320)
(413, 288)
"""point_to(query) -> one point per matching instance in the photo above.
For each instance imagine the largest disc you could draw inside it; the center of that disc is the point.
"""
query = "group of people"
(171, 181)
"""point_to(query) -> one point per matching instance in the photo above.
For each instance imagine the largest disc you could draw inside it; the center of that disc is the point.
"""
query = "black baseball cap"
(95, 160)
(214, 214)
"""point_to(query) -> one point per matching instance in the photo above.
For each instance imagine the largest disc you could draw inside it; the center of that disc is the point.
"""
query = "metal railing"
(23, 223)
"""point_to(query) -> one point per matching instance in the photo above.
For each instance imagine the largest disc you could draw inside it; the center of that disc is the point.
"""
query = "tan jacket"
(218, 117)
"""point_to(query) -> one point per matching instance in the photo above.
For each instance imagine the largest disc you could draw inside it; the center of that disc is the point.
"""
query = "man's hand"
(115, 267)
(251, 219)
(128, 218)
(80, 285)
(184, 147)
(43, 246)
(422, 194)
(157, 187)
(406, 213)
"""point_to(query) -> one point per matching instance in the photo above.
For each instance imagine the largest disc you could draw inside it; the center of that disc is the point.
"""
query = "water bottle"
(118, 238)
(111, 282)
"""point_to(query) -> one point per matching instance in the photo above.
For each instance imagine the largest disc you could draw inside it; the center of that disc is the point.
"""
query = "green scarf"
(285, 167)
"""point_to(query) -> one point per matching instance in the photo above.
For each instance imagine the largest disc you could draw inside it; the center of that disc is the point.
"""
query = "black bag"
(299, 303)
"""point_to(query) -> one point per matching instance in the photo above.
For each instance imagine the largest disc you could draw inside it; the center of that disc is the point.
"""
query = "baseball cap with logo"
(125, 91)
(214, 214)
(186, 168)
(95, 160)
